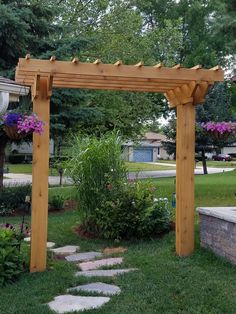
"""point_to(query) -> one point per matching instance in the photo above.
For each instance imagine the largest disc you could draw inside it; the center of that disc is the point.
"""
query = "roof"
(12, 87)
(233, 78)
(154, 136)
(7, 81)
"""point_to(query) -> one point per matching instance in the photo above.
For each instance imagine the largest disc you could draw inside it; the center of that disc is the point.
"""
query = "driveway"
(20, 179)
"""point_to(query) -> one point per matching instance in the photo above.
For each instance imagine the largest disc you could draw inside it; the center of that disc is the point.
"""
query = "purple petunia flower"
(219, 127)
(25, 123)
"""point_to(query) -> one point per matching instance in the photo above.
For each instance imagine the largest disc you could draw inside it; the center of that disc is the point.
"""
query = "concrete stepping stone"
(98, 287)
(69, 303)
(49, 244)
(100, 263)
(83, 256)
(114, 250)
(104, 273)
(66, 250)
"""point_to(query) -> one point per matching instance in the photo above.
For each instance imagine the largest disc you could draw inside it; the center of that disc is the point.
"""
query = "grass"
(142, 166)
(220, 164)
(26, 169)
(164, 283)
(210, 163)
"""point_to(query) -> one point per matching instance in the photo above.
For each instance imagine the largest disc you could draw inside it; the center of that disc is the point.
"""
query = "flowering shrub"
(25, 124)
(132, 212)
(219, 127)
(11, 261)
(111, 206)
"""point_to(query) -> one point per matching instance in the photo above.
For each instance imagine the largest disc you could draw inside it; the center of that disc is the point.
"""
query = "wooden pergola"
(184, 88)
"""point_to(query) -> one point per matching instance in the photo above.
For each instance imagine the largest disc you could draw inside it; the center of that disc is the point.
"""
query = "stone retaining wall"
(219, 235)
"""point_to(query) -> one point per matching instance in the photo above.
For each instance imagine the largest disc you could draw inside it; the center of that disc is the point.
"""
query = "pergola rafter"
(183, 88)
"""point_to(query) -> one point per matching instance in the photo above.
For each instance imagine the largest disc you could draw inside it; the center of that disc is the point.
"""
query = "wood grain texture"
(39, 216)
(185, 163)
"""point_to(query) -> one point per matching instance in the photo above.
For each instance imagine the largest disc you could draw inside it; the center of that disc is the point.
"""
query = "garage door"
(143, 154)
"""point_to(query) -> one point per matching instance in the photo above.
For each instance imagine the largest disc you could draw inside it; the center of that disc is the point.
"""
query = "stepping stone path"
(104, 273)
(65, 250)
(98, 287)
(49, 244)
(83, 256)
(101, 262)
(69, 303)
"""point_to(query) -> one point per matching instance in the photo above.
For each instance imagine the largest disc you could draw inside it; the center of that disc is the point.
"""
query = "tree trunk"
(3, 143)
(204, 164)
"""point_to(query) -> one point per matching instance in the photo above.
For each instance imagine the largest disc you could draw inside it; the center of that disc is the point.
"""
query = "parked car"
(222, 157)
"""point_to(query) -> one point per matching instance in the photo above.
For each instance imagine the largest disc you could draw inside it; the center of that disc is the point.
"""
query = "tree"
(25, 26)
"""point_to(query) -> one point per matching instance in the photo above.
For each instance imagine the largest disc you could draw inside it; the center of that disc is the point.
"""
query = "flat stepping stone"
(49, 244)
(66, 250)
(80, 257)
(98, 287)
(69, 303)
(104, 273)
(114, 250)
(100, 263)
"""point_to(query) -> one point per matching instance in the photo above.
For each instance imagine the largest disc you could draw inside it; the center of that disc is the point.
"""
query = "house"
(26, 148)
(10, 91)
(148, 149)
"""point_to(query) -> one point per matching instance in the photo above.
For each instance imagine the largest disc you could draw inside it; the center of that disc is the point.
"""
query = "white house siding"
(27, 148)
(229, 150)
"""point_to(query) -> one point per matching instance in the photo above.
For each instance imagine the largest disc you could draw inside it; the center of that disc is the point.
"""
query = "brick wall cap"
(224, 213)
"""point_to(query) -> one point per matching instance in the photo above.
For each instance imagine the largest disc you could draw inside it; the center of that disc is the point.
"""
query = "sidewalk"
(20, 179)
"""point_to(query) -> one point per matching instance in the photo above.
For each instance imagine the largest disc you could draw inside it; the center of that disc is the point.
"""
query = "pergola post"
(185, 164)
(39, 215)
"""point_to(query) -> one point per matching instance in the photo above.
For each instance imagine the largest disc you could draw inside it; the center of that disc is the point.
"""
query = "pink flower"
(220, 127)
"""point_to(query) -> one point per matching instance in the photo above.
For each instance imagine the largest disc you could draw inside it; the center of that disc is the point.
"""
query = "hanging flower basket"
(17, 126)
(12, 133)
(219, 131)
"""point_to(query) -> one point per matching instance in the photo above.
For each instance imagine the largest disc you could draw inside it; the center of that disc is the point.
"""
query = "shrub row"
(13, 197)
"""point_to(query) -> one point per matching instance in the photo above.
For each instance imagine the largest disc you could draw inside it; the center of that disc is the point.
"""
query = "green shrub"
(13, 197)
(56, 201)
(132, 212)
(110, 206)
(11, 262)
(16, 158)
(94, 165)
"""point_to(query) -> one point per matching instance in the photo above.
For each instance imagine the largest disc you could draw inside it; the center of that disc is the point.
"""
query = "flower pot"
(11, 132)
(220, 136)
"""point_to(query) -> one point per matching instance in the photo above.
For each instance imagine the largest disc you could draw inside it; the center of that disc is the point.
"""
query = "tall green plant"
(95, 165)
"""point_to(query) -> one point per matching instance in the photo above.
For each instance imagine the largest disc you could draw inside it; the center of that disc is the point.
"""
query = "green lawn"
(165, 283)
(220, 164)
(26, 169)
(132, 166)
(142, 166)
(210, 163)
